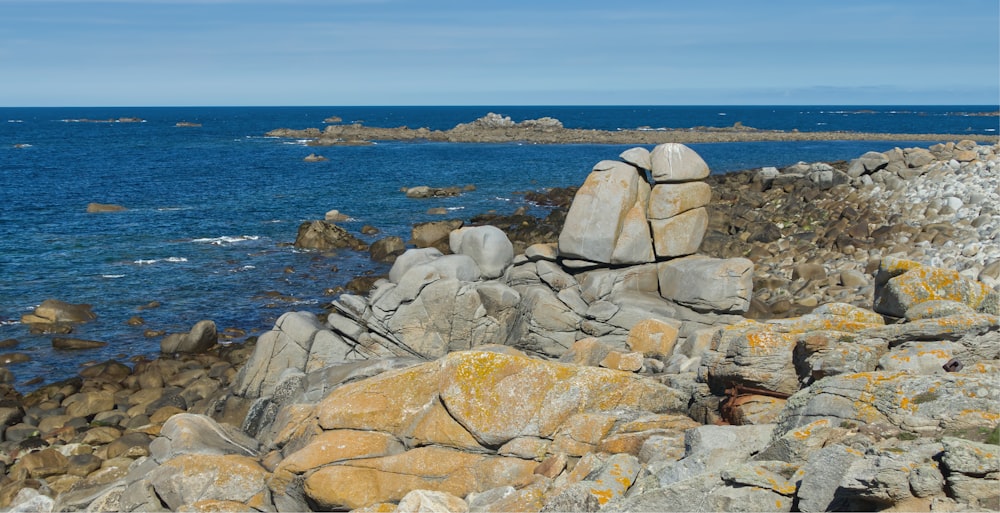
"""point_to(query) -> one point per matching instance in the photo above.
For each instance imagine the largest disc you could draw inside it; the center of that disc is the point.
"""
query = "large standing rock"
(54, 311)
(673, 162)
(600, 209)
(705, 283)
(487, 245)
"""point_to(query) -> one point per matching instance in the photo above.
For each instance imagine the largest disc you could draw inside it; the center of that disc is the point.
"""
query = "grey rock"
(411, 258)
(187, 433)
(287, 345)
(822, 475)
(599, 210)
(487, 245)
(708, 284)
(638, 157)
(203, 335)
(673, 162)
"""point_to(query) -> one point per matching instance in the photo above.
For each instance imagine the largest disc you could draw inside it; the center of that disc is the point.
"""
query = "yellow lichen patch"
(897, 266)
(340, 445)
(389, 402)
(766, 342)
(979, 414)
(603, 495)
(807, 431)
(933, 283)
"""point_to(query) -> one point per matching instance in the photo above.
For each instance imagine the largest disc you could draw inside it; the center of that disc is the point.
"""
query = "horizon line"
(126, 106)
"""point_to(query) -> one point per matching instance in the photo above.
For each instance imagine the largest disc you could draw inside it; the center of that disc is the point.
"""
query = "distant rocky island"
(497, 128)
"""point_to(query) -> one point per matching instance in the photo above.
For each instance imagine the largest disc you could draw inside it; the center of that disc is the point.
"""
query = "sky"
(507, 52)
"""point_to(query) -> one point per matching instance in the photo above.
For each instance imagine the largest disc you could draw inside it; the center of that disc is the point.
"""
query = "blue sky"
(510, 52)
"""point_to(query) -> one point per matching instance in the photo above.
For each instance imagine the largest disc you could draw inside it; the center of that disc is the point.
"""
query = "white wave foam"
(171, 209)
(225, 239)
(15, 121)
(455, 208)
(498, 198)
(112, 276)
(151, 261)
(9, 322)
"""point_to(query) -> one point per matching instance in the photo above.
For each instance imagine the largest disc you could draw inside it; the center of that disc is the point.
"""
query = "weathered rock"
(389, 479)
(653, 338)
(387, 249)
(53, 311)
(434, 234)
(203, 335)
(599, 210)
(672, 162)
(923, 283)
(286, 346)
(669, 200)
(707, 284)
(473, 387)
(322, 235)
(189, 479)
(426, 501)
(187, 433)
(487, 245)
(411, 258)
(680, 235)
(891, 402)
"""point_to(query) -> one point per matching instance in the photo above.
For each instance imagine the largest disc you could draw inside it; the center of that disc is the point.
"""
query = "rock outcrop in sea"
(612, 370)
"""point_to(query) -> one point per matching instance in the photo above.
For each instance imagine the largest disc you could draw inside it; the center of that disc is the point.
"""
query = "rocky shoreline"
(495, 128)
(819, 337)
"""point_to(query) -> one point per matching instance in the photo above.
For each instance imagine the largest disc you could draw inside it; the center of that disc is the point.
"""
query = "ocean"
(212, 210)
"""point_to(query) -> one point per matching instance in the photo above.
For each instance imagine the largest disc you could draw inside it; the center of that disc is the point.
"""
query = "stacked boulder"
(618, 219)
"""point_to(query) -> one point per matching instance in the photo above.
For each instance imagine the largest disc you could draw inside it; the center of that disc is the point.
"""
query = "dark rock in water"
(362, 284)
(423, 191)
(76, 343)
(9, 358)
(323, 236)
(8, 343)
(387, 249)
(201, 337)
(53, 311)
(110, 370)
(312, 157)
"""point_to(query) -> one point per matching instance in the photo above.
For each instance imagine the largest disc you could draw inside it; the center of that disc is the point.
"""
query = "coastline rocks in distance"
(104, 207)
(54, 311)
(324, 236)
(424, 191)
(201, 337)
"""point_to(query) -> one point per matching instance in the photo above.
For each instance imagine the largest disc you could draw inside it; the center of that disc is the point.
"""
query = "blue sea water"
(212, 210)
